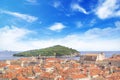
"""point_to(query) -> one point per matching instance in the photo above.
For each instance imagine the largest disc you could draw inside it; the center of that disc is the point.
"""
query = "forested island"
(57, 50)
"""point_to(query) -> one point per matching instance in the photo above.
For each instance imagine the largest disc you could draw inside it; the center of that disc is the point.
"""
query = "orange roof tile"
(78, 76)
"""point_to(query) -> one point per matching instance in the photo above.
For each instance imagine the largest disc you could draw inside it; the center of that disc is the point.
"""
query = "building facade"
(92, 58)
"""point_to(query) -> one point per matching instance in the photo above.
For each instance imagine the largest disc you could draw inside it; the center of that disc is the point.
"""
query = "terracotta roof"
(78, 76)
(2, 64)
(61, 78)
(113, 76)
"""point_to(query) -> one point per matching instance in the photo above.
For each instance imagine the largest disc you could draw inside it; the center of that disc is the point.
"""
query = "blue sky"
(85, 25)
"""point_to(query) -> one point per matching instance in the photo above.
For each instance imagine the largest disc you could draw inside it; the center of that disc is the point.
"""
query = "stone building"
(92, 58)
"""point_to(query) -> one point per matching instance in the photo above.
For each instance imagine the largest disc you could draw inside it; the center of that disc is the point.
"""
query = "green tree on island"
(57, 50)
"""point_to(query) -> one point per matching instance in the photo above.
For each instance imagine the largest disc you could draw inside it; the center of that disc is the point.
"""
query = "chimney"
(88, 74)
(22, 64)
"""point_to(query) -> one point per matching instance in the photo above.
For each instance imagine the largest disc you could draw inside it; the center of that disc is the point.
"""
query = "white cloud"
(108, 9)
(77, 7)
(117, 24)
(92, 22)
(83, 43)
(57, 27)
(25, 17)
(33, 2)
(93, 39)
(79, 24)
(56, 4)
(108, 32)
(10, 38)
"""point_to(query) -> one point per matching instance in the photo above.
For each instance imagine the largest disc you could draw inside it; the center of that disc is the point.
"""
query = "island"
(56, 50)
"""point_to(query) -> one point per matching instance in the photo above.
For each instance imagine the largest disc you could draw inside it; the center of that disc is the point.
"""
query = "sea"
(9, 55)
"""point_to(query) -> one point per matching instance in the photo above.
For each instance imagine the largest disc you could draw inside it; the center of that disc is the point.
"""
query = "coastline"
(107, 54)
